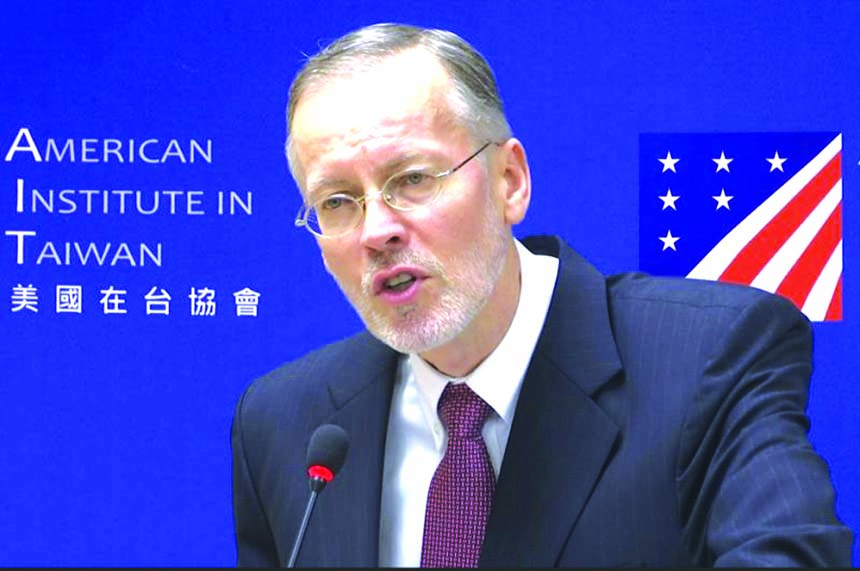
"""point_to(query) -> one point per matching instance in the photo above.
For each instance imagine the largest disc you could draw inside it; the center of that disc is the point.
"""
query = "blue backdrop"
(117, 401)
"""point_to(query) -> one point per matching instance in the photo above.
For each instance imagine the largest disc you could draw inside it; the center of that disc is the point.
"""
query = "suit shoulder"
(298, 377)
(643, 304)
(694, 294)
(320, 358)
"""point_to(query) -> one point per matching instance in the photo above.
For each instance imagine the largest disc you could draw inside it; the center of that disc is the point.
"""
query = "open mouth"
(400, 282)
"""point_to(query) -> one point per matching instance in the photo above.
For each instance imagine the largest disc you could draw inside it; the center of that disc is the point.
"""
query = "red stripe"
(762, 247)
(800, 279)
(834, 312)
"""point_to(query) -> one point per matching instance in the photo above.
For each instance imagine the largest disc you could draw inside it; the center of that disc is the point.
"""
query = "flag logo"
(760, 209)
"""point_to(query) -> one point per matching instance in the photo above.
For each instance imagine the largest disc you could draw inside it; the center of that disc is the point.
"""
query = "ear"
(516, 183)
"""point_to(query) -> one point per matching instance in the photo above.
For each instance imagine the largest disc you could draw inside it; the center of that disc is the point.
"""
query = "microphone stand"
(317, 484)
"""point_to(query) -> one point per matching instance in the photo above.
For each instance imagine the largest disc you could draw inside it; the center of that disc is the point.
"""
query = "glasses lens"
(411, 189)
(334, 215)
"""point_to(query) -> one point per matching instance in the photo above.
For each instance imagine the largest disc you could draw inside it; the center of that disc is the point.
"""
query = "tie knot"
(462, 411)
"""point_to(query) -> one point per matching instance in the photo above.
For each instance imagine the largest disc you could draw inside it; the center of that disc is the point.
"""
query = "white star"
(669, 162)
(669, 240)
(723, 200)
(722, 162)
(669, 200)
(776, 162)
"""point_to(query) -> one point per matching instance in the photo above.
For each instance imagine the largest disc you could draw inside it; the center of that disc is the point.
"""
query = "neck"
(463, 354)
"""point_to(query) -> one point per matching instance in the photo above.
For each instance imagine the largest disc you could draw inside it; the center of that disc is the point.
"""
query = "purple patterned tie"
(461, 491)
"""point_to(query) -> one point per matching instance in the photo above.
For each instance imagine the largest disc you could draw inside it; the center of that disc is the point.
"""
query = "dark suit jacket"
(661, 422)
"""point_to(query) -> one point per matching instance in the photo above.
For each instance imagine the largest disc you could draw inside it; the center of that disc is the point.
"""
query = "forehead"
(402, 95)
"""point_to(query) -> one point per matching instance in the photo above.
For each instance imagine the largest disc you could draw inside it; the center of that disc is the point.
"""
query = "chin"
(411, 334)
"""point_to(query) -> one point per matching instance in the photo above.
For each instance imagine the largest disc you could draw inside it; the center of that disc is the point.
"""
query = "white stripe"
(771, 275)
(821, 295)
(718, 259)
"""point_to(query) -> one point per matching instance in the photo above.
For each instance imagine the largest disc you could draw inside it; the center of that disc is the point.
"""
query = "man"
(627, 420)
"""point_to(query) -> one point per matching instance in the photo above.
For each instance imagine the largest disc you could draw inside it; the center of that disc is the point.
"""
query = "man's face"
(419, 278)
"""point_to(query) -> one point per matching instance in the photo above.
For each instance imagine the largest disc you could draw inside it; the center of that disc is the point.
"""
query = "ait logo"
(761, 209)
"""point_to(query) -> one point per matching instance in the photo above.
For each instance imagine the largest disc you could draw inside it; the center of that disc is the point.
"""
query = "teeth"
(399, 280)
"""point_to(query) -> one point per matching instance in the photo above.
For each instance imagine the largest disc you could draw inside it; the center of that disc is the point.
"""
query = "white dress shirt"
(416, 438)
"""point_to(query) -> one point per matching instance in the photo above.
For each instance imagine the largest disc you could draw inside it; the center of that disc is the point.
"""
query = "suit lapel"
(560, 440)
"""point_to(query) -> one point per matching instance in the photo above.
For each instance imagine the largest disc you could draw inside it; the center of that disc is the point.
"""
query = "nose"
(383, 227)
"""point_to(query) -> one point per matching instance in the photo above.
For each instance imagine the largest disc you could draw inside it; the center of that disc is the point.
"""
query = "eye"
(414, 178)
(333, 202)
(412, 182)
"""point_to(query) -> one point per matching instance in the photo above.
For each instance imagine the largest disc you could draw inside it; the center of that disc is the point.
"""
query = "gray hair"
(475, 102)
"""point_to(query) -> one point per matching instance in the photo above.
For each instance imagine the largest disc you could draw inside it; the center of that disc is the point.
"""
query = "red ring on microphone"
(320, 472)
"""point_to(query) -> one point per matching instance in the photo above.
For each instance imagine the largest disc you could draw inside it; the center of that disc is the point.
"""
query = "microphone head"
(327, 452)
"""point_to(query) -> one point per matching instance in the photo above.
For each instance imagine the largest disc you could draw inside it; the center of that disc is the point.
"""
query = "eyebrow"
(398, 164)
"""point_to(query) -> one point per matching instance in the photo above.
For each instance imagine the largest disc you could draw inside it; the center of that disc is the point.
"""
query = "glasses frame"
(302, 215)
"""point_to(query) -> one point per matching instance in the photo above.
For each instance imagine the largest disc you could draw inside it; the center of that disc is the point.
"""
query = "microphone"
(326, 455)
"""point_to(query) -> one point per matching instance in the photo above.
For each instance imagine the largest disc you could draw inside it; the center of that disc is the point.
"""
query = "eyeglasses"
(338, 213)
